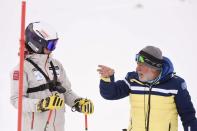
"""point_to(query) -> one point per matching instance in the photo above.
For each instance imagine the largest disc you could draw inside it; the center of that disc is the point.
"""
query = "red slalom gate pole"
(21, 69)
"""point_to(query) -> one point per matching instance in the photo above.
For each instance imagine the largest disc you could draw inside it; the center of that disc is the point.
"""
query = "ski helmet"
(39, 36)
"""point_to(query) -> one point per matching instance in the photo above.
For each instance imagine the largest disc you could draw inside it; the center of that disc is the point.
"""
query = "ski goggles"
(51, 44)
(141, 59)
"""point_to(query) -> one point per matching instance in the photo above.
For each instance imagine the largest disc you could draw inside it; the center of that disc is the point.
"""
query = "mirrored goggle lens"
(51, 45)
(139, 58)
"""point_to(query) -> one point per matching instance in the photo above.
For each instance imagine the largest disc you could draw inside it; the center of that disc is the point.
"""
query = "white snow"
(108, 32)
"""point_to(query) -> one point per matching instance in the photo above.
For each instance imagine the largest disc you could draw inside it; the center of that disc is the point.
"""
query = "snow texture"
(108, 32)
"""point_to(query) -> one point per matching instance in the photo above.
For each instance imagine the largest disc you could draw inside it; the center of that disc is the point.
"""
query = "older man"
(156, 94)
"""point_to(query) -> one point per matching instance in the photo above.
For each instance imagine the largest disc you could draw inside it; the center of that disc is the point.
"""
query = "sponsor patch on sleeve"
(16, 75)
(183, 86)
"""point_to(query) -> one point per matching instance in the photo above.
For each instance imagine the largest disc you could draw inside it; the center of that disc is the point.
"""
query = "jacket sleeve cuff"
(108, 79)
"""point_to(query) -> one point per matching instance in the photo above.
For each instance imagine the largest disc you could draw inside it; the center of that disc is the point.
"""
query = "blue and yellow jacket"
(154, 107)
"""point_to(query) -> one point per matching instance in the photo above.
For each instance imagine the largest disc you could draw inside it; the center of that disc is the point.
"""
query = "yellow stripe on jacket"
(163, 113)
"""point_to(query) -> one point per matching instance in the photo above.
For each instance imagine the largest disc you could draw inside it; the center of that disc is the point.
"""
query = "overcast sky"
(108, 32)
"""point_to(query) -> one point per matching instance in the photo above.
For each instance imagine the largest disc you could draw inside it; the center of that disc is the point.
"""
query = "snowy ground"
(108, 32)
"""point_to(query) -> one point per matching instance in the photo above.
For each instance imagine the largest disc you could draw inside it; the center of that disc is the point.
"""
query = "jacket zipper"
(131, 126)
(169, 127)
(149, 108)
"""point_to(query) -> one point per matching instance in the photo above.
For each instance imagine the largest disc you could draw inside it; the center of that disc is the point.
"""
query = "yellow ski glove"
(50, 103)
(83, 105)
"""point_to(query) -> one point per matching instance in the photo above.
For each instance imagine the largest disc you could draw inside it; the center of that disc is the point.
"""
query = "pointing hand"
(105, 71)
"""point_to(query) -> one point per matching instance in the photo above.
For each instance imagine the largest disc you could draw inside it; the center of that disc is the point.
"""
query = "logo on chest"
(39, 76)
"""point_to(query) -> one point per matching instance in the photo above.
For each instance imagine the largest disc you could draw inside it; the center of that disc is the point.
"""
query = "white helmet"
(39, 36)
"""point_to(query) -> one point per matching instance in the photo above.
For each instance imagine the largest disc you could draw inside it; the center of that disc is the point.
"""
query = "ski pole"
(49, 117)
(21, 69)
(86, 122)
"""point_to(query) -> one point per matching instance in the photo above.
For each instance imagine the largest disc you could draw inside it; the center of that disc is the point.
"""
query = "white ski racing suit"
(32, 120)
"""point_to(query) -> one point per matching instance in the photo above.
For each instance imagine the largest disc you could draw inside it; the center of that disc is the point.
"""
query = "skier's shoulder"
(177, 79)
(176, 82)
(56, 62)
